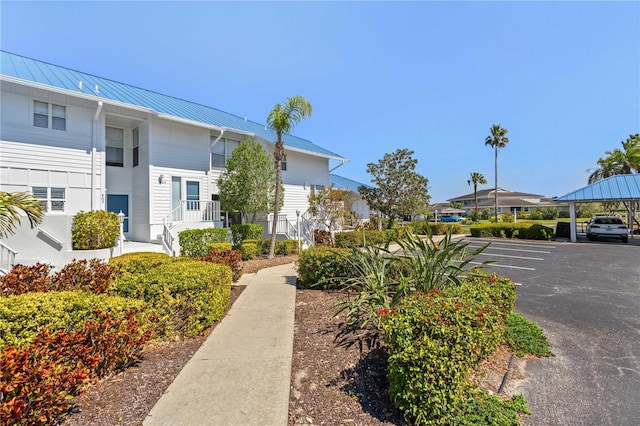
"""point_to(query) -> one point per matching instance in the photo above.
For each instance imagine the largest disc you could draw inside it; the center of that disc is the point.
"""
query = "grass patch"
(525, 336)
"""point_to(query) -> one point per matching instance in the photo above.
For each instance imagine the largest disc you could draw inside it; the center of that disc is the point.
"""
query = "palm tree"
(10, 204)
(619, 161)
(476, 178)
(497, 140)
(282, 119)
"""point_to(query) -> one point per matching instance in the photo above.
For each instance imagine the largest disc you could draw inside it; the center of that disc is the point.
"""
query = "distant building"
(360, 206)
(508, 201)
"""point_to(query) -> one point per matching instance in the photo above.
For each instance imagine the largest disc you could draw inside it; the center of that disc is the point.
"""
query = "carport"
(625, 188)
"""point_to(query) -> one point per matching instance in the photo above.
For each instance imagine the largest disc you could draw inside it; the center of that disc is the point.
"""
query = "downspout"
(94, 136)
(211, 145)
(338, 166)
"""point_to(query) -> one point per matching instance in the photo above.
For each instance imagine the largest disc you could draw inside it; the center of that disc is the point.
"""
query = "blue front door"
(117, 204)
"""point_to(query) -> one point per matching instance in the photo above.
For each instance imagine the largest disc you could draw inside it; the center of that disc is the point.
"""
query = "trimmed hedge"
(187, 295)
(246, 231)
(250, 250)
(324, 267)
(94, 230)
(422, 227)
(435, 338)
(38, 381)
(230, 258)
(370, 238)
(219, 247)
(23, 316)
(287, 247)
(521, 230)
(139, 262)
(193, 242)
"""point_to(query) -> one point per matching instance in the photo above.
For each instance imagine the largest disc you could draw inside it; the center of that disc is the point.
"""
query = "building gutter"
(94, 142)
(342, 161)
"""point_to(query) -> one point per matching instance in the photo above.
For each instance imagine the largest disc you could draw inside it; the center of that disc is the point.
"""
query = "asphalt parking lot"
(586, 297)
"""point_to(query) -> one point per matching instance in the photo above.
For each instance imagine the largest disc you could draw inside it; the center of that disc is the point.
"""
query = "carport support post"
(572, 221)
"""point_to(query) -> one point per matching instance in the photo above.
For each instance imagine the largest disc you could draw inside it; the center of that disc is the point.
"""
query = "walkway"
(241, 373)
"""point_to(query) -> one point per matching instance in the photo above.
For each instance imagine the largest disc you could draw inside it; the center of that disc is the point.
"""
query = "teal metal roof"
(28, 69)
(341, 182)
(613, 188)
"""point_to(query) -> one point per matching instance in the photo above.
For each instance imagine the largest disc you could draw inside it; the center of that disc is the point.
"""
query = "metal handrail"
(193, 211)
(7, 258)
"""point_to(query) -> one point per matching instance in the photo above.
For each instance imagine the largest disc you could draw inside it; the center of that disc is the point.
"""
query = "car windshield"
(608, 221)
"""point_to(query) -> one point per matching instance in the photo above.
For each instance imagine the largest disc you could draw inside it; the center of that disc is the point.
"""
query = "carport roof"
(613, 188)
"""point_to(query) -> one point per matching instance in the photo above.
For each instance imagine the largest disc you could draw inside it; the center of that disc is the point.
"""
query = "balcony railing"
(7, 258)
(195, 211)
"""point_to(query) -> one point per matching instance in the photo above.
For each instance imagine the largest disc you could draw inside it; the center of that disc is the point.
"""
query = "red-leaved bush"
(93, 276)
(38, 380)
(230, 258)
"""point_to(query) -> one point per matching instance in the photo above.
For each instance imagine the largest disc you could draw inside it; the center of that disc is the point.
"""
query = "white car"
(607, 226)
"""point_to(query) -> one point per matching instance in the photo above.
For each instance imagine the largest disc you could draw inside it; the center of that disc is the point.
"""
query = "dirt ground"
(334, 380)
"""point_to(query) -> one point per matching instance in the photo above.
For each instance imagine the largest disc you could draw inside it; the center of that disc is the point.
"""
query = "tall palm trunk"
(496, 186)
(475, 197)
(278, 154)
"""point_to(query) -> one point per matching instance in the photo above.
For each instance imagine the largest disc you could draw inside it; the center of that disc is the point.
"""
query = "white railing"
(7, 258)
(289, 230)
(168, 240)
(284, 227)
(194, 211)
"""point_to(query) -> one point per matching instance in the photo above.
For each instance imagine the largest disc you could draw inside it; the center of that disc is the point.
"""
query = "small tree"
(399, 190)
(475, 179)
(331, 207)
(248, 183)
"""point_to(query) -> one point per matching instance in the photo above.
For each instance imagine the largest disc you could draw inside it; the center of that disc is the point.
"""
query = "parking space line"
(512, 257)
(504, 266)
(495, 242)
(491, 247)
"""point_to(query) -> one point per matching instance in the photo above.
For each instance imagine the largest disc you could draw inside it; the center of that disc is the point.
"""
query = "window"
(136, 147)
(221, 151)
(41, 115)
(51, 199)
(115, 147)
(193, 195)
(283, 163)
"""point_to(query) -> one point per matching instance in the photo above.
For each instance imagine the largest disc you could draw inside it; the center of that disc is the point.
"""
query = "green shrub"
(525, 337)
(250, 250)
(423, 227)
(139, 262)
(324, 267)
(230, 258)
(507, 217)
(94, 230)
(520, 230)
(483, 409)
(247, 231)
(187, 295)
(219, 247)
(435, 338)
(287, 247)
(363, 237)
(23, 316)
(193, 242)
(38, 380)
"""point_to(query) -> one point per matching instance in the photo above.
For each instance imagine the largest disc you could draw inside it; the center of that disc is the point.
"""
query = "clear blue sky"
(563, 78)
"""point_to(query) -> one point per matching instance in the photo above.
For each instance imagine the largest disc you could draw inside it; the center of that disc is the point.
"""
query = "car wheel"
(625, 239)
(591, 237)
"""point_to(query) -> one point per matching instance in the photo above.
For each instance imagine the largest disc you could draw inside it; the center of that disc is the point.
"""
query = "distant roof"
(502, 192)
(613, 188)
(35, 71)
(341, 182)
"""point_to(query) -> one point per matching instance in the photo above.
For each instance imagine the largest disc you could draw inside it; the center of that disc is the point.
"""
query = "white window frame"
(228, 146)
(53, 199)
(56, 115)
(114, 145)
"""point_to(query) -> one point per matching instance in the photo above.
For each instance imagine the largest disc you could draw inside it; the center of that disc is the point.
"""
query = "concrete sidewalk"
(241, 373)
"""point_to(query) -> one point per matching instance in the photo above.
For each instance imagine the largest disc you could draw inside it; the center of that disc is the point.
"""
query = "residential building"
(360, 206)
(508, 201)
(80, 142)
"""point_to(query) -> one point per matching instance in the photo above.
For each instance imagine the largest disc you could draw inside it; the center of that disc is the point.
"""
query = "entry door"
(176, 196)
(117, 204)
